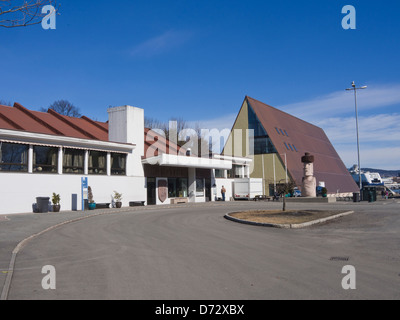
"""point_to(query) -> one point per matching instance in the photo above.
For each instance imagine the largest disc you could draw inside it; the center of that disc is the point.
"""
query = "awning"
(169, 160)
(11, 136)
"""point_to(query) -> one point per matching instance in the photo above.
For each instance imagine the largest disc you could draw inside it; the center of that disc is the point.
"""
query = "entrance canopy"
(170, 160)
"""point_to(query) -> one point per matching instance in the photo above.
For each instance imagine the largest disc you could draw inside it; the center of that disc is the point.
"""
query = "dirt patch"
(284, 217)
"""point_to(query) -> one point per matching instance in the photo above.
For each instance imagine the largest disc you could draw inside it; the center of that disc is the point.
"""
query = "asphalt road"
(193, 253)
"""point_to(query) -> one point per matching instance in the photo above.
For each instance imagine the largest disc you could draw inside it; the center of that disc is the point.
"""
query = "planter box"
(102, 205)
(136, 203)
(179, 200)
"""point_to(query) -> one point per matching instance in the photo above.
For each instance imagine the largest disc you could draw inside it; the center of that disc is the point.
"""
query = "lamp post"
(354, 88)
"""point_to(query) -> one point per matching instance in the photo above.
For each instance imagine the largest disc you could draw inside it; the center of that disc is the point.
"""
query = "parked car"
(296, 193)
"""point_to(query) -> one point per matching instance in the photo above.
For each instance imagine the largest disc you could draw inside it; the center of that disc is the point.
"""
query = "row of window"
(282, 132)
(262, 142)
(14, 158)
(290, 147)
(236, 172)
(178, 187)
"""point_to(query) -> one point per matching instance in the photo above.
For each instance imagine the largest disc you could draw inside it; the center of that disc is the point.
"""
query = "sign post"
(84, 191)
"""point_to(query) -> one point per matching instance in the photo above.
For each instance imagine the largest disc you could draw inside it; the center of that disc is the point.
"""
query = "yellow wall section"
(241, 125)
(268, 174)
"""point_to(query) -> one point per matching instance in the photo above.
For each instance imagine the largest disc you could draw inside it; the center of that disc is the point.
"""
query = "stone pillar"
(192, 184)
(30, 159)
(309, 188)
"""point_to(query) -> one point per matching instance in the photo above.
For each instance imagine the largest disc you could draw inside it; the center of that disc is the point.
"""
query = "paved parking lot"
(192, 252)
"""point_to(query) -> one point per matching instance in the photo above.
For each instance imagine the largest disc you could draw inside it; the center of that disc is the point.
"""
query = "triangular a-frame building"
(280, 141)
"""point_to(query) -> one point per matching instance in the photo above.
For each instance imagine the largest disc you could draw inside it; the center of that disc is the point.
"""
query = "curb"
(22, 244)
(289, 226)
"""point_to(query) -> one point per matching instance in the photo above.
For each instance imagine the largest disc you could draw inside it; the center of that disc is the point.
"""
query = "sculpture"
(162, 190)
(309, 181)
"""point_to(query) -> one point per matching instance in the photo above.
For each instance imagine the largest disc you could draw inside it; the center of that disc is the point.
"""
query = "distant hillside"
(384, 173)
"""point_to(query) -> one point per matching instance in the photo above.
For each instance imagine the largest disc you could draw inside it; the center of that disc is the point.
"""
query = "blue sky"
(198, 59)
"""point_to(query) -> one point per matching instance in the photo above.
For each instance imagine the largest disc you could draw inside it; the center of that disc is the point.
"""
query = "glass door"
(151, 191)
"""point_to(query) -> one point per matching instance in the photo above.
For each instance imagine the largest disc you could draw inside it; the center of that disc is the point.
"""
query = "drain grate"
(339, 258)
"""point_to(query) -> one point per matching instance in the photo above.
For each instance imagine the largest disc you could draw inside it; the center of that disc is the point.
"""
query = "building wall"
(274, 170)
(20, 191)
(236, 144)
(190, 173)
(228, 184)
(262, 165)
(126, 125)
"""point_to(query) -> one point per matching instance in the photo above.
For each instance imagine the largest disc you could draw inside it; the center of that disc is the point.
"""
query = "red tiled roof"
(155, 145)
(50, 122)
(21, 119)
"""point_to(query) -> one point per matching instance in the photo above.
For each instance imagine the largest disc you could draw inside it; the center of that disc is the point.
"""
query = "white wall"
(126, 125)
(228, 184)
(18, 191)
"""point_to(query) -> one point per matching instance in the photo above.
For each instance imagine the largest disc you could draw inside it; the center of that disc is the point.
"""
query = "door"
(208, 189)
(151, 191)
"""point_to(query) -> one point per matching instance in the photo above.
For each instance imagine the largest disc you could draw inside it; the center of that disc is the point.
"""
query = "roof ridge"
(37, 119)
(8, 120)
(71, 124)
(94, 123)
(286, 113)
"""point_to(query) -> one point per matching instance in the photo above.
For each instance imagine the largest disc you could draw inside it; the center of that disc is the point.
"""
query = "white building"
(45, 153)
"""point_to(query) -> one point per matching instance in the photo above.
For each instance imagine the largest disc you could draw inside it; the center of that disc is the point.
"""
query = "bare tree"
(65, 108)
(152, 123)
(23, 13)
(284, 189)
(198, 143)
(5, 103)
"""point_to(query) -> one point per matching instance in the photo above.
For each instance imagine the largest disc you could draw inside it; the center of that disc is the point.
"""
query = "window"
(262, 142)
(172, 188)
(295, 148)
(290, 146)
(219, 173)
(177, 187)
(97, 162)
(45, 159)
(73, 161)
(286, 146)
(118, 164)
(238, 170)
(13, 157)
(286, 133)
(199, 187)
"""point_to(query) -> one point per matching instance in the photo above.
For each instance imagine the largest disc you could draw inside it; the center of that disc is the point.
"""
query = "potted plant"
(324, 192)
(117, 199)
(92, 204)
(56, 202)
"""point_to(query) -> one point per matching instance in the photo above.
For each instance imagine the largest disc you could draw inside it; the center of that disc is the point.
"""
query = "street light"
(354, 88)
